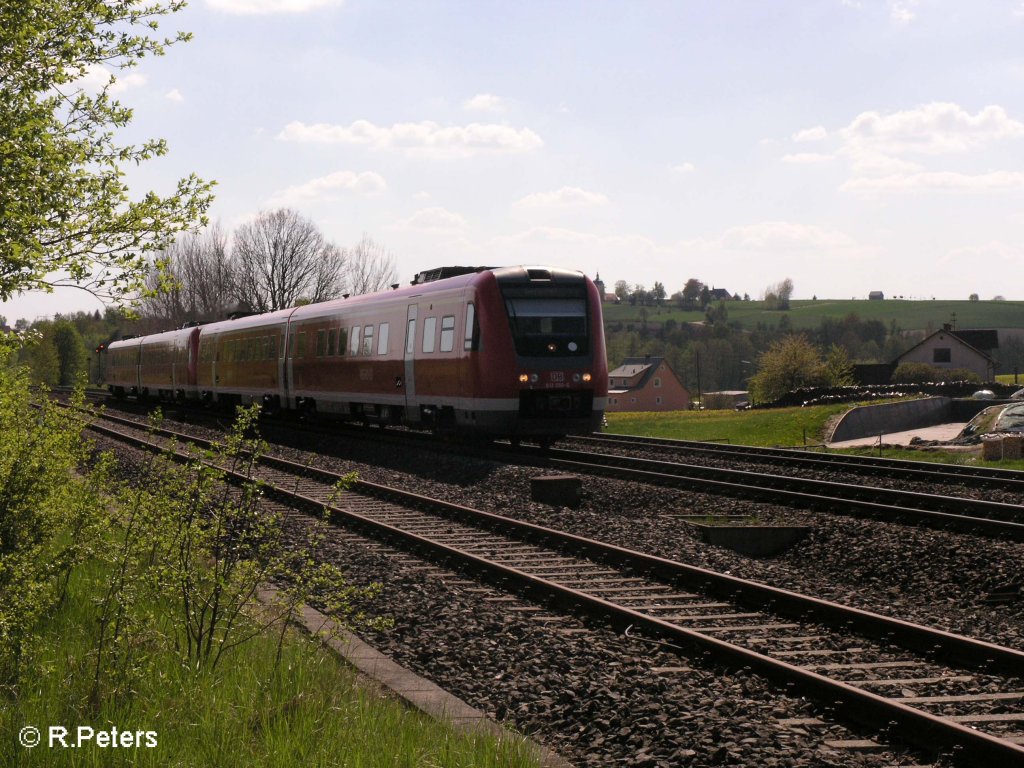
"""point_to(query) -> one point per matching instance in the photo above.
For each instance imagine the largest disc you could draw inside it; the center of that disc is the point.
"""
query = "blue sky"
(850, 145)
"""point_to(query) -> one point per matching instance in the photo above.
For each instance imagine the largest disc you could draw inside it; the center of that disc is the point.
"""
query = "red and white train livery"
(511, 351)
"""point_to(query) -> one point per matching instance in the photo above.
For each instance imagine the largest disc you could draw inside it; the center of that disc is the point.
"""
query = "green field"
(786, 427)
(769, 427)
(909, 315)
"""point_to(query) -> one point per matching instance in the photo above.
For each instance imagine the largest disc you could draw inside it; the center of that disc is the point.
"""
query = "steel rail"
(1008, 478)
(930, 733)
(949, 512)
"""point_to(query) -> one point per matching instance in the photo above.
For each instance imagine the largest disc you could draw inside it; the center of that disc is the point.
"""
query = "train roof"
(462, 277)
(249, 321)
(153, 337)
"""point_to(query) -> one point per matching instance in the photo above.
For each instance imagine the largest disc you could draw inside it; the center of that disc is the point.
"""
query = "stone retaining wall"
(868, 420)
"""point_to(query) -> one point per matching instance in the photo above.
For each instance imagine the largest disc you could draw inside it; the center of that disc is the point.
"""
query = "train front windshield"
(548, 326)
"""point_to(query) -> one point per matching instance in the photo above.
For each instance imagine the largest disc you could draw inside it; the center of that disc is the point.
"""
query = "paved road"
(938, 432)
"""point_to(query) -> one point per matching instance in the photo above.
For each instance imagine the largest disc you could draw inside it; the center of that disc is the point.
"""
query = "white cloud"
(901, 11)
(935, 128)
(867, 163)
(174, 95)
(437, 220)
(624, 245)
(942, 181)
(96, 76)
(329, 187)
(262, 7)
(565, 197)
(817, 133)
(782, 236)
(993, 254)
(424, 138)
(684, 168)
(484, 102)
(807, 158)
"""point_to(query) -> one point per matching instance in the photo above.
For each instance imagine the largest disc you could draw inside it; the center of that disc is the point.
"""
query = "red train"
(510, 351)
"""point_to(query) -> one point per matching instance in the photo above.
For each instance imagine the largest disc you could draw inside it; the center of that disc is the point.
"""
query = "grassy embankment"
(804, 314)
(309, 709)
(785, 427)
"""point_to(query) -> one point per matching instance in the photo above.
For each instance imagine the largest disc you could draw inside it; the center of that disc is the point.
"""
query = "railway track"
(966, 514)
(907, 683)
(957, 513)
(931, 472)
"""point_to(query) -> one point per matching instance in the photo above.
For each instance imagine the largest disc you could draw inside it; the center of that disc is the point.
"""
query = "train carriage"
(241, 361)
(167, 364)
(121, 366)
(159, 365)
(510, 351)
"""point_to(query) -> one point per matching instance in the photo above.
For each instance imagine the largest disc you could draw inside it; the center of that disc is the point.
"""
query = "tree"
(621, 290)
(281, 257)
(789, 363)
(71, 354)
(973, 297)
(371, 267)
(658, 292)
(692, 291)
(191, 279)
(777, 296)
(838, 367)
(638, 295)
(68, 218)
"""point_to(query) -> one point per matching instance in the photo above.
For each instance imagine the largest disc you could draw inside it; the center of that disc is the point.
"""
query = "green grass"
(805, 314)
(1008, 378)
(769, 427)
(772, 427)
(312, 712)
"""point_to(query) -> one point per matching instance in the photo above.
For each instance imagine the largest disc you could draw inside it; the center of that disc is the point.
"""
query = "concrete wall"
(868, 420)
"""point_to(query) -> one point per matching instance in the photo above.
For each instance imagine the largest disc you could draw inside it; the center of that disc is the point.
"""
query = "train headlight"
(523, 378)
(552, 347)
(587, 377)
(534, 378)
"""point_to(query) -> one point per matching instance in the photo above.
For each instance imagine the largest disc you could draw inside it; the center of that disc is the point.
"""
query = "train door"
(284, 367)
(412, 409)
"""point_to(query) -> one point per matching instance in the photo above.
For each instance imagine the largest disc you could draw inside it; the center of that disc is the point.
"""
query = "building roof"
(628, 371)
(984, 340)
(631, 366)
(958, 336)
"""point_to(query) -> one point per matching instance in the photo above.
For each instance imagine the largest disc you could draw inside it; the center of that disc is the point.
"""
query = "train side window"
(368, 340)
(448, 333)
(429, 326)
(291, 344)
(382, 339)
(300, 350)
(471, 336)
(332, 337)
(354, 339)
(342, 340)
(321, 342)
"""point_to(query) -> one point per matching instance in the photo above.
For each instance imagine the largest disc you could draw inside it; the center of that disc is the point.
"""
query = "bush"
(921, 373)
